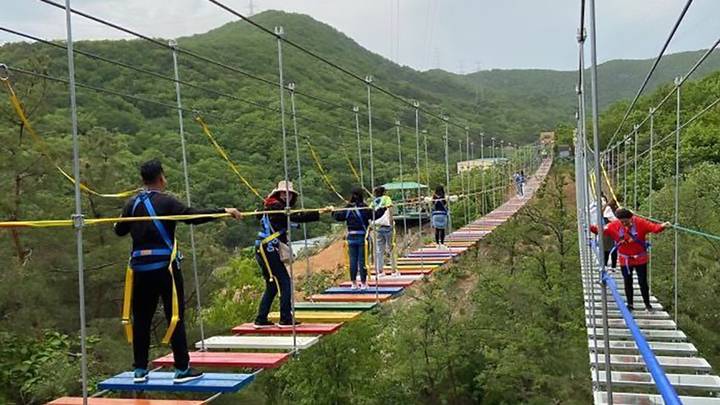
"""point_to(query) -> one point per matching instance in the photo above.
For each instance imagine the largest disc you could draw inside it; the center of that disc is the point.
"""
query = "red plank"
(121, 401)
(229, 360)
(369, 297)
(304, 328)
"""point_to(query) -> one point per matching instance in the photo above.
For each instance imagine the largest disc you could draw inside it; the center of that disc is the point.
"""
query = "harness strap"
(144, 197)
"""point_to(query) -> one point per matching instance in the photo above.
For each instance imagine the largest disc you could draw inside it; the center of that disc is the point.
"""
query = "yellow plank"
(320, 316)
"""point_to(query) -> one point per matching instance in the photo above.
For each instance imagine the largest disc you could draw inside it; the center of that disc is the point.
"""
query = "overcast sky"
(455, 35)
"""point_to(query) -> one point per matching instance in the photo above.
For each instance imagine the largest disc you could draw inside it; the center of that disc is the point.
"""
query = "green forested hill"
(550, 94)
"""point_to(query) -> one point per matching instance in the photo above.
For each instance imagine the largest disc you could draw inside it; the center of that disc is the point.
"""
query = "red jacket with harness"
(631, 241)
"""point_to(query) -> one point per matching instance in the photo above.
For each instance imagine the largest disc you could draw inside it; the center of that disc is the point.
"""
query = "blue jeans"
(356, 254)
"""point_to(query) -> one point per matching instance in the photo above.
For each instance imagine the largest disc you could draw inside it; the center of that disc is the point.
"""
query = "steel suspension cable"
(402, 182)
(293, 111)
(598, 190)
(653, 67)
(78, 216)
(324, 60)
(368, 83)
(186, 177)
(288, 232)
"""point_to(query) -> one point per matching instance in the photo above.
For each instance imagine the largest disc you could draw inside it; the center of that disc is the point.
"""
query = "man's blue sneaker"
(183, 376)
(140, 376)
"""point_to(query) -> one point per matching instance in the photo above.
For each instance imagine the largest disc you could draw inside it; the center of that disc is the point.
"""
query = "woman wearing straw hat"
(273, 253)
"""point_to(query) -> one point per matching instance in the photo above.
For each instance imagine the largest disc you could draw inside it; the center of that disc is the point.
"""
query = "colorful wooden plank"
(302, 329)
(320, 316)
(163, 382)
(121, 401)
(334, 306)
(383, 282)
(378, 289)
(228, 360)
(367, 296)
(258, 342)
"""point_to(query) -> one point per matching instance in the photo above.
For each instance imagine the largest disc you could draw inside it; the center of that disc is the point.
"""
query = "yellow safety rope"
(355, 173)
(321, 170)
(45, 150)
(607, 180)
(225, 156)
(127, 302)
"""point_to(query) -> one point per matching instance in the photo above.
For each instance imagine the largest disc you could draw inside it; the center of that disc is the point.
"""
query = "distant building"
(547, 138)
(564, 151)
(486, 163)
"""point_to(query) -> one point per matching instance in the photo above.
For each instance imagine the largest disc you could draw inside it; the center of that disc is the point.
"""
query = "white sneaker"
(364, 287)
(396, 274)
(354, 286)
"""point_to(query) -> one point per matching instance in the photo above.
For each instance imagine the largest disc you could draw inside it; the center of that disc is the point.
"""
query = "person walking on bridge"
(155, 266)
(629, 233)
(384, 229)
(357, 215)
(272, 252)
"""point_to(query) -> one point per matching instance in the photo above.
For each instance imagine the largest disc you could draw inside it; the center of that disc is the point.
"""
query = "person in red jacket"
(629, 234)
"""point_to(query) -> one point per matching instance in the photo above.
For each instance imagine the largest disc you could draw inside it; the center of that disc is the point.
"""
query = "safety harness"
(166, 258)
(634, 236)
(268, 237)
(364, 232)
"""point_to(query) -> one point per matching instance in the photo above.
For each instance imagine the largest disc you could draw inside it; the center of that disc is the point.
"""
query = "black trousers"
(276, 279)
(440, 236)
(627, 273)
(148, 288)
(612, 256)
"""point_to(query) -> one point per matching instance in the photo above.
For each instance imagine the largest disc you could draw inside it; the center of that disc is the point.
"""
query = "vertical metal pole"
(462, 184)
(186, 176)
(493, 174)
(402, 181)
(625, 167)
(474, 180)
(427, 159)
(635, 170)
(78, 219)
(676, 216)
(447, 172)
(650, 189)
(503, 173)
(585, 198)
(468, 176)
(296, 133)
(419, 205)
(482, 173)
(279, 32)
(356, 111)
(598, 192)
(368, 82)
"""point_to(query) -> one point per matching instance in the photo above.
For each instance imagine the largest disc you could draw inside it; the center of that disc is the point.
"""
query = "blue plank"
(163, 381)
(371, 290)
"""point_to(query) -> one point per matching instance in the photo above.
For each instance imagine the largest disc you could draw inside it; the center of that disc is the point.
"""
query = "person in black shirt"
(272, 253)
(357, 215)
(152, 248)
(439, 216)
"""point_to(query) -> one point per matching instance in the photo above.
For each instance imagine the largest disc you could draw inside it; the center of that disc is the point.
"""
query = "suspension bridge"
(635, 357)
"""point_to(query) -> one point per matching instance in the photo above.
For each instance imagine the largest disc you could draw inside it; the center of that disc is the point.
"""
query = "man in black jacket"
(153, 249)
